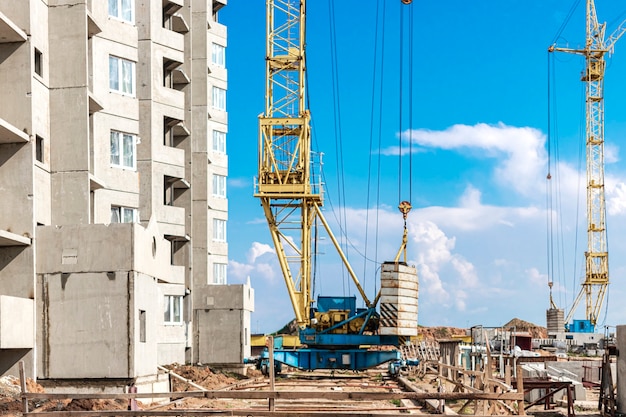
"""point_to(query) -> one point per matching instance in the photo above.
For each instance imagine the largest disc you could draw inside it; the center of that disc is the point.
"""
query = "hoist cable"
(410, 104)
(408, 73)
(549, 210)
(400, 101)
(560, 248)
(338, 138)
(371, 153)
(566, 21)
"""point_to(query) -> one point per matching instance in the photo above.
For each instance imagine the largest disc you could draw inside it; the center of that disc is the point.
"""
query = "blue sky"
(478, 230)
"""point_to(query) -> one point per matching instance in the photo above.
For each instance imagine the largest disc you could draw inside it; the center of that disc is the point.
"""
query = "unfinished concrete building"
(113, 169)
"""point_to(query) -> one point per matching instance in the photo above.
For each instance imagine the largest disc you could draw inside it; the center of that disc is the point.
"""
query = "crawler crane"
(289, 187)
(597, 256)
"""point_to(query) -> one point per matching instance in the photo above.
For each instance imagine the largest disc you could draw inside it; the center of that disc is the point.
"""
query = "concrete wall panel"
(71, 199)
(19, 15)
(16, 214)
(17, 271)
(16, 61)
(224, 297)
(43, 195)
(17, 323)
(69, 129)
(220, 336)
(83, 248)
(89, 336)
(621, 368)
(152, 253)
(146, 297)
(67, 38)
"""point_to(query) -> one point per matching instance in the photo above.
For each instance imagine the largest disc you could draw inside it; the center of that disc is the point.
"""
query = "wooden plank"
(227, 412)
(23, 388)
(288, 395)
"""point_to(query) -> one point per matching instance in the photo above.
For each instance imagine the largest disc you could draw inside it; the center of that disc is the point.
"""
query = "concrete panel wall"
(225, 297)
(152, 253)
(84, 248)
(220, 336)
(222, 323)
(146, 299)
(89, 336)
(17, 327)
(621, 368)
(99, 247)
(17, 271)
(16, 58)
(16, 162)
(105, 325)
(43, 195)
(71, 197)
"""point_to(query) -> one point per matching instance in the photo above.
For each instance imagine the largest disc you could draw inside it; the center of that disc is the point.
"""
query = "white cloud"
(434, 252)
(258, 249)
(520, 150)
(471, 214)
(536, 278)
(616, 198)
(239, 271)
(255, 267)
(611, 153)
(239, 182)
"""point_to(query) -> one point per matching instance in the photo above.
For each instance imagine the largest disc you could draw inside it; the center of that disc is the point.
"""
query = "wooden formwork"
(482, 390)
(270, 395)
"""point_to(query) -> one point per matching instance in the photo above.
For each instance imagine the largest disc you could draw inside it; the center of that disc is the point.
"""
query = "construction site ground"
(373, 380)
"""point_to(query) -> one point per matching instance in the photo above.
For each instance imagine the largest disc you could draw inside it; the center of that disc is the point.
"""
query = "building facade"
(113, 165)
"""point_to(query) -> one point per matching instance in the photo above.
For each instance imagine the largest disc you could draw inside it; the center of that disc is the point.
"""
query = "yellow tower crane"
(289, 184)
(289, 187)
(596, 257)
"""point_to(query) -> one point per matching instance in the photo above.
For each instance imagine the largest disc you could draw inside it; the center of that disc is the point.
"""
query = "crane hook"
(404, 208)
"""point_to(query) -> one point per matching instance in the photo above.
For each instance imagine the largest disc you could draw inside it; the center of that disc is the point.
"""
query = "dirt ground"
(11, 403)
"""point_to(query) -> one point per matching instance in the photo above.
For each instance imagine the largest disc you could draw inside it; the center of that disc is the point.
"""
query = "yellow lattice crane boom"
(596, 257)
(289, 184)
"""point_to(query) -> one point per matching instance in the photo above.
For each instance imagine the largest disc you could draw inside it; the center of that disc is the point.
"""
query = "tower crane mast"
(596, 47)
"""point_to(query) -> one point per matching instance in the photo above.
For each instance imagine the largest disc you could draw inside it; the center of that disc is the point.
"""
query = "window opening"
(219, 98)
(123, 10)
(38, 62)
(123, 150)
(121, 75)
(218, 55)
(219, 230)
(39, 148)
(219, 141)
(173, 309)
(142, 326)
(220, 273)
(219, 185)
(120, 214)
